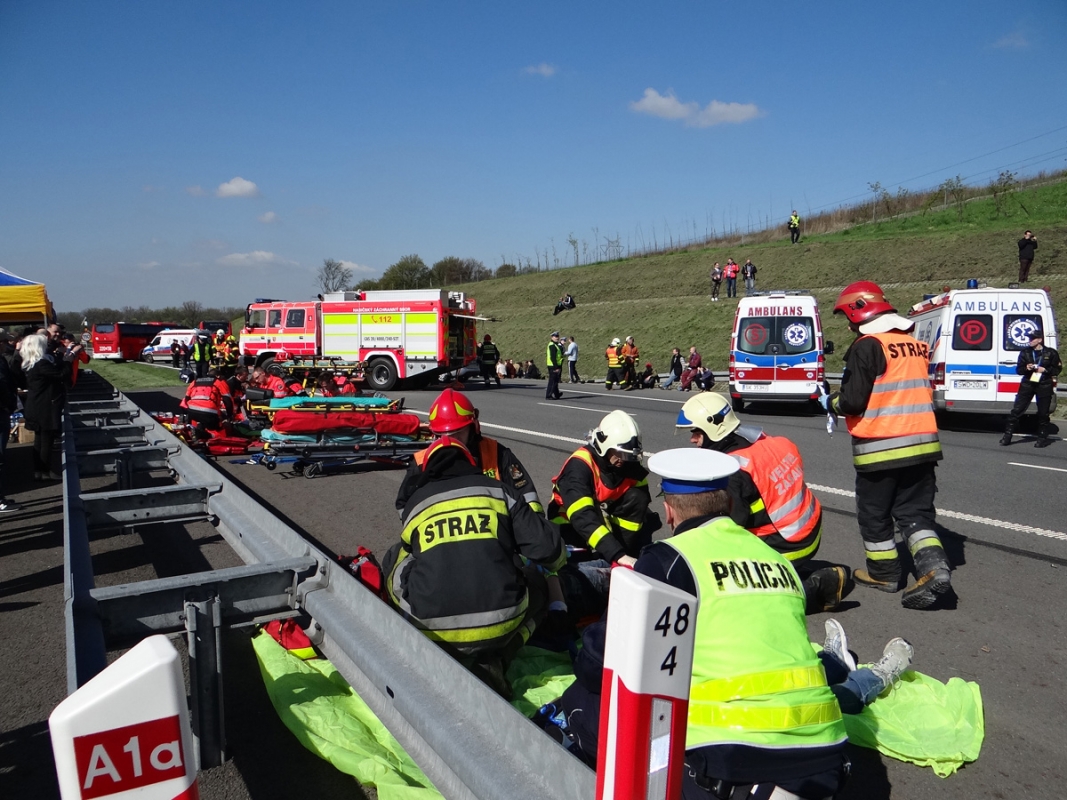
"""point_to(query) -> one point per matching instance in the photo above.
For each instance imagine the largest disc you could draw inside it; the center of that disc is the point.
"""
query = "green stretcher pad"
(920, 720)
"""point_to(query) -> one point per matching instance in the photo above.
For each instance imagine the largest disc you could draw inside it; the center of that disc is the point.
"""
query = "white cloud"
(257, 258)
(668, 106)
(195, 191)
(238, 187)
(357, 268)
(542, 69)
(1013, 41)
(269, 218)
(149, 265)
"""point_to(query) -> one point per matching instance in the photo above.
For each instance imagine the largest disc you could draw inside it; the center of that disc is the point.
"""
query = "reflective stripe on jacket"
(613, 356)
(775, 466)
(898, 425)
(604, 496)
(756, 680)
(203, 395)
(510, 472)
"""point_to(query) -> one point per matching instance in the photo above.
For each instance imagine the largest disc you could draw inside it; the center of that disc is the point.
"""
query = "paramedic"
(204, 403)
(768, 494)
(455, 575)
(734, 747)
(453, 414)
(888, 405)
(600, 497)
(1039, 365)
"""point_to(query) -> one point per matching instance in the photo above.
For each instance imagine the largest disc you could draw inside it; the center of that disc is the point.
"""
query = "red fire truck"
(389, 336)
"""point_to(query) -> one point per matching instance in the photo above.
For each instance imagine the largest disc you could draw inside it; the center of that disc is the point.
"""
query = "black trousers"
(552, 392)
(42, 450)
(904, 498)
(573, 367)
(615, 375)
(202, 368)
(1027, 391)
(488, 372)
(794, 235)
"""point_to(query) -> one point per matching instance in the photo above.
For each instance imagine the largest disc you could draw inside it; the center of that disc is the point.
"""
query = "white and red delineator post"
(648, 664)
(128, 729)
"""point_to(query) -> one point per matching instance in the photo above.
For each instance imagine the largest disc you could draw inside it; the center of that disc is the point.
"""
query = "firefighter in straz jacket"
(1038, 365)
(769, 496)
(600, 497)
(455, 572)
(452, 413)
(888, 405)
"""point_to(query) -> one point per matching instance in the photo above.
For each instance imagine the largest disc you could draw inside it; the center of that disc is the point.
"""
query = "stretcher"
(225, 441)
(339, 435)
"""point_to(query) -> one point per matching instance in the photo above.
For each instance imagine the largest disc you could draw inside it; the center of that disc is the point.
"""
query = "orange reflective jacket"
(775, 466)
(488, 457)
(614, 360)
(603, 493)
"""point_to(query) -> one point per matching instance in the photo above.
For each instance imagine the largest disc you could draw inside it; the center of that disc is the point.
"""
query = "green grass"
(663, 300)
(131, 375)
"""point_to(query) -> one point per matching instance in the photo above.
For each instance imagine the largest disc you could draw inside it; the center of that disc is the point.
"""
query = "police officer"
(768, 494)
(453, 414)
(203, 353)
(454, 573)
(780, 736)
(1038, 365)
(488, 355)
(600, 497)
(554, 362)
(888, 405)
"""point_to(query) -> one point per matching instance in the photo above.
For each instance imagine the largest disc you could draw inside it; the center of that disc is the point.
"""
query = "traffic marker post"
(648, 664)
(128, 728)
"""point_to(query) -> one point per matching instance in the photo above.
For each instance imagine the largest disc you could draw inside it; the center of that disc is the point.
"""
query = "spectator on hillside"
(730, 271)
(692, 370)
(675, 372)
(748, 272)
(566, 303)
(716, 282)
(1027, 246)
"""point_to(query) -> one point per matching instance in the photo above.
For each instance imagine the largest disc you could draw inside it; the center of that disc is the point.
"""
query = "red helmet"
(862, 300)
(451, 411)
(439, 445)
(487, 338)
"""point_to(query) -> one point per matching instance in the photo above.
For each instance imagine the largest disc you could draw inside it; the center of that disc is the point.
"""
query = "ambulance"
(389, 337)
(975, 336)
(777, 353)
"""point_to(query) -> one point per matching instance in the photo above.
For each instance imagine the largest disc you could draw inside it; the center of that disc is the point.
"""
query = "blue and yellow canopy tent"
(23, 301)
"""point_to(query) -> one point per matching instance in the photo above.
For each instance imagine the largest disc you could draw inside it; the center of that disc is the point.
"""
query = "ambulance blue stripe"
(977, 369)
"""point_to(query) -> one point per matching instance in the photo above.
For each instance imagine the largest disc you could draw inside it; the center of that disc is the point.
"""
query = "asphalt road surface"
(1000, 511)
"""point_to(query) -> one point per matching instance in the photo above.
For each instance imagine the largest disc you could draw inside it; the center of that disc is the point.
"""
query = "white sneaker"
(895, 659)
(836, 644)
(7, 505)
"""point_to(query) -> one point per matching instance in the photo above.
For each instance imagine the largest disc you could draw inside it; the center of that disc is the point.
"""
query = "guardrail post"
(202, 626)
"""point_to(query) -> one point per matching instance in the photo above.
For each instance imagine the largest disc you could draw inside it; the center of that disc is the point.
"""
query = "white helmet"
(615, 342)
(220, 332)
(710, 413)
(618, 431)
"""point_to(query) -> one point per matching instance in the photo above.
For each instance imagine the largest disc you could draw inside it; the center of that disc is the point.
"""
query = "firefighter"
(453, 414)
(762, 721)
(769, 496)
(455, 575)
(616, 373)
(488, 355)
(229, 354)
(630, 354)
(600, 497)
(203, 353)
(888, 405)
(204, 403)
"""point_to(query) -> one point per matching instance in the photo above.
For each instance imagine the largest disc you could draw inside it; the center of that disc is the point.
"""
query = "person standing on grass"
(730, 270)
(794, 227)
(716, 282)
(1027, 246)
(748, 272)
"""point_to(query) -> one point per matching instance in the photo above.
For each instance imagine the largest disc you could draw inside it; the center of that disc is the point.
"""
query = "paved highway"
(1001, 512)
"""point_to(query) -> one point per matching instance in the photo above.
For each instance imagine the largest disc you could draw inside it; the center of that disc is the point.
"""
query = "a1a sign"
(129, 757)
(126, 732)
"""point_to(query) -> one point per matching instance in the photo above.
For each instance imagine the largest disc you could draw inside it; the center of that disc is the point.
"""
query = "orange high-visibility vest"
(603, 493)
(775, 466)
(203, 396)
(488, 457)
(899, 422)
(630, 352)
(613, 358)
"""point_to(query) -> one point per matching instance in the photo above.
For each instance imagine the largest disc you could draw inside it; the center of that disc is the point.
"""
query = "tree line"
(411, 272)
(187, 315)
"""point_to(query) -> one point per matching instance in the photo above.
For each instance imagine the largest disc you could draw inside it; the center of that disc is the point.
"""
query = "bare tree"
(333, 276)
(574, 245)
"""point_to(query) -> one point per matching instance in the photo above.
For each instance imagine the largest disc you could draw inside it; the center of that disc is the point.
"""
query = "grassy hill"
(663, 300)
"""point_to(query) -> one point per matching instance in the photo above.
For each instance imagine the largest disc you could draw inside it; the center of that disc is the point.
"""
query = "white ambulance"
(975, 336)
(777, 352)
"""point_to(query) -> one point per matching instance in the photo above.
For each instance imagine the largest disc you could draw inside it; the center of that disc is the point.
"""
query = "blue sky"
(156, 152)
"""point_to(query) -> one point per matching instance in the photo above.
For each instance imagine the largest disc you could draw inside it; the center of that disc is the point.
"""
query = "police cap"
(686, 470)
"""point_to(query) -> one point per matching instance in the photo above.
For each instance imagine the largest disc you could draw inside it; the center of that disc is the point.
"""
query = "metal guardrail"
(468, 741)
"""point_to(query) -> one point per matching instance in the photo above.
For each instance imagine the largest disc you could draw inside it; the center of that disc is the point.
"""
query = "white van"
(975, 336)
(159, 348)
(776, 349)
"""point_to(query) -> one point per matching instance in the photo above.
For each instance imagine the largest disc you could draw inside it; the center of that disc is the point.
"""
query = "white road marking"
(995, 523)
(633, 396)
(1035, 466)
(576, 408)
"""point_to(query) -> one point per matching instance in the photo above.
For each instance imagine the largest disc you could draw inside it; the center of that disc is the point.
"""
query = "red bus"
(124, 341)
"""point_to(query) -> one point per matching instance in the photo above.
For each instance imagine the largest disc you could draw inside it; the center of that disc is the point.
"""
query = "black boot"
(825, 587)
(934, 578)
(1008, 431)
(1042, 437)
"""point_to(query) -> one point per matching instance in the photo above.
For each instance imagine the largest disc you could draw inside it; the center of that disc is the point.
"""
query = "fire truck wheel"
(381, 375)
